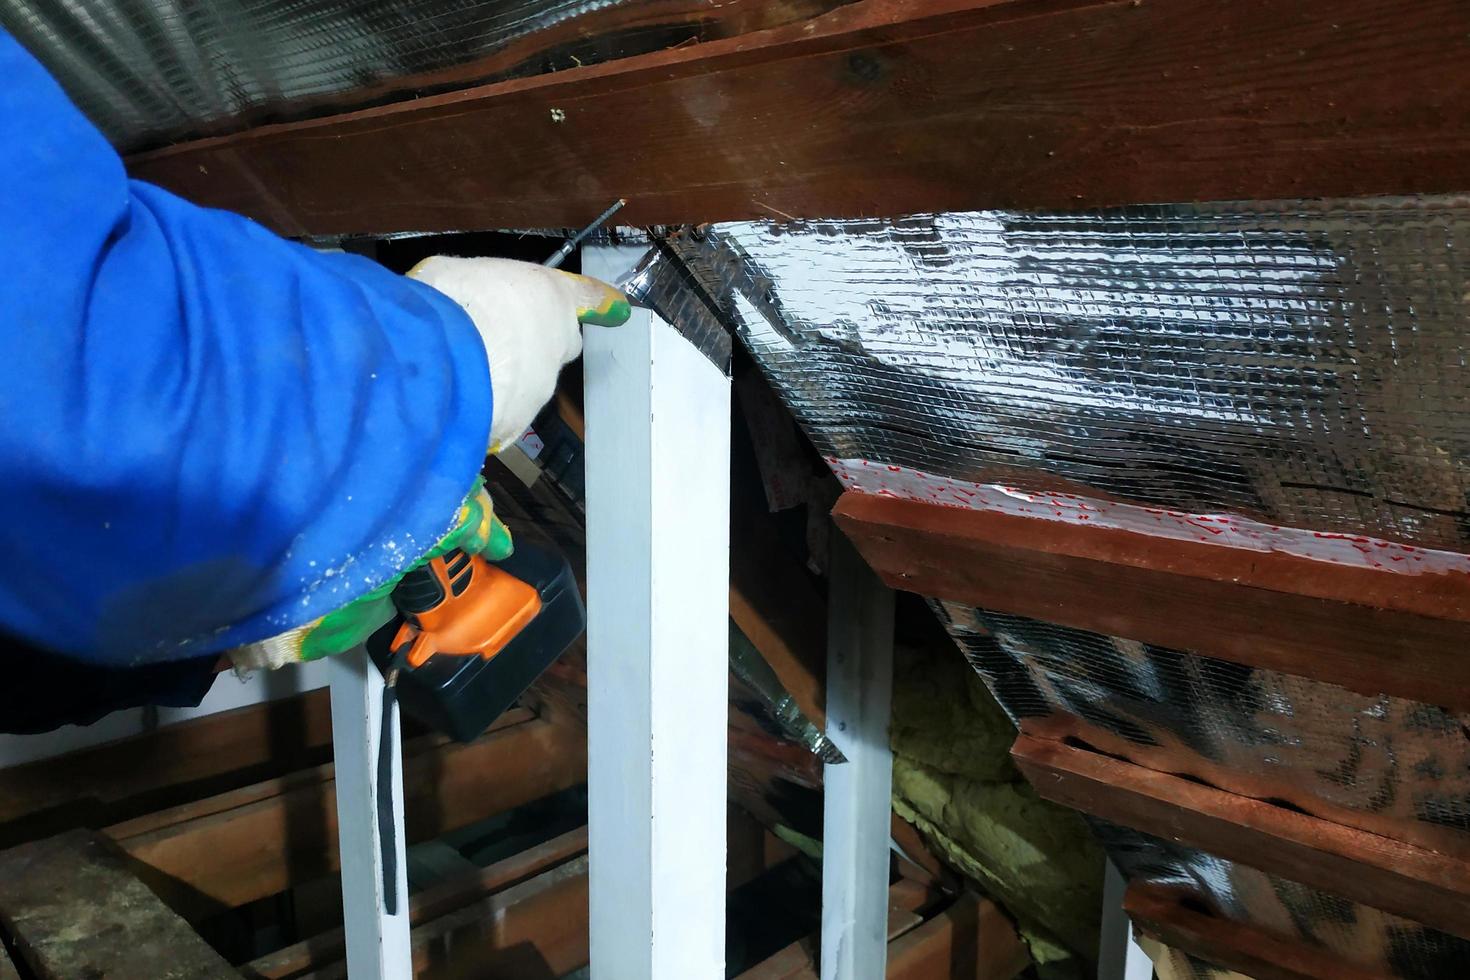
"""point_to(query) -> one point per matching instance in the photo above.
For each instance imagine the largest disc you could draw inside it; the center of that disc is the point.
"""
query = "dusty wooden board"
(119, 780)
(7, 967)
(1370, 630)
(886, 107)
(209, 855)
(798, 961)
(537, 929)
(73, 910)
(857, 795)
(1161, 914)
(433, 903)
(1408, 881)
(972, 938)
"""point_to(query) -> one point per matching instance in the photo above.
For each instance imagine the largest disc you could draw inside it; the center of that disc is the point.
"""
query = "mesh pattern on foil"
(1366, 937)
(147, 70)
(666, 288)
(1380, 763)
(1301, 362)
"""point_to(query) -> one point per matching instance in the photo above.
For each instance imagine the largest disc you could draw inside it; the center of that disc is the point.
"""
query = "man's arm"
(208, 434)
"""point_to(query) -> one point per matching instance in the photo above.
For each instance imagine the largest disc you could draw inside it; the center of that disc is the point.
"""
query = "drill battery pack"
(462, 695)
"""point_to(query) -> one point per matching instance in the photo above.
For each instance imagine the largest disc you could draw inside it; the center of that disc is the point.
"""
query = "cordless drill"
(475, 634)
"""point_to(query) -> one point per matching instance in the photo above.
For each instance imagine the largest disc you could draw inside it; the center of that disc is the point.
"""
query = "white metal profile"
(378, 945)
(658, 471)
(856, 807)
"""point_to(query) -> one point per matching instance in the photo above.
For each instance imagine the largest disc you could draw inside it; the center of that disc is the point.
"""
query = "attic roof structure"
(1131, 335)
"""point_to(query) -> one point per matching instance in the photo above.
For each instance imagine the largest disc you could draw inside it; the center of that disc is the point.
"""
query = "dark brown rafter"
(1370, 630)
(886, 107)
(229, 850)
(1165, 914)
(1427, 887)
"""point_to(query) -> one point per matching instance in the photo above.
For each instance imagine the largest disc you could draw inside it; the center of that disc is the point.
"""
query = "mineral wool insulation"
(1290, 374)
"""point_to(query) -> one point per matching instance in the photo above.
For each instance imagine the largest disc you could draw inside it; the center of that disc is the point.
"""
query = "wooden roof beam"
(1165, 914)
(887, 107)
(1370, 630)
(226, 851)
(1418, 884)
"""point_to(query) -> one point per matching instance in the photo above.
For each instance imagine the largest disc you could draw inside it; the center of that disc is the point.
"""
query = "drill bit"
(571, 243)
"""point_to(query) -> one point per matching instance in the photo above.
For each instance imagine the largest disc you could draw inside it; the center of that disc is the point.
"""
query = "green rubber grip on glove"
(478, 531)
(598, 303)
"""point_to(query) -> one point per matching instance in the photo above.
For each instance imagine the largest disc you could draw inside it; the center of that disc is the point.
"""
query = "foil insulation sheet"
(1300, 363)
(1386, 765)
(147, 71)
(751, 668)
(1290, 374)
(663, 284)
(1375, 942)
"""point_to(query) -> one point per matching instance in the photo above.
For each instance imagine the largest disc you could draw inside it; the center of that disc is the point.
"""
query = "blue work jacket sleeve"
(208, 434)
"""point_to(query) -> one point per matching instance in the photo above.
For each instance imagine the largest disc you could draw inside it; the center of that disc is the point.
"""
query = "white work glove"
(529, 317)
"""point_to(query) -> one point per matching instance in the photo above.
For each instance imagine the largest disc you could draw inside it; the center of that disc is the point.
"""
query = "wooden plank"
(779, 610)
(858, 797)
(535, 929)
(1059, 103)
(972, 938)
(72, 909)
(658, 576)
(257, 848)
(424, 745)
(1162, 913)
(798, 961)
(433, 903)
(1370, 630)
(7, 966)
(120, 780)
(1425, 886)
(914, 859)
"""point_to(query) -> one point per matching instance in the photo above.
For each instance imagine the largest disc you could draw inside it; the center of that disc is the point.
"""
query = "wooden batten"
(71, 908)
(1370, 630)
(224, 852)
(1166, 915)
(1425, 886)
(884, 107)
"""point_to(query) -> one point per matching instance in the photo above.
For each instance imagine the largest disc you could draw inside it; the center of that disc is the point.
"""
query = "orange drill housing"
(461, 605)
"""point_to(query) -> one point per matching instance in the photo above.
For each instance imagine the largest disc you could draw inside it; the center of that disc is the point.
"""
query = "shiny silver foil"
(1301, 363)
(747, 664)
(1383, 764)
(663, 284)
(1371, 940)
(147, 71)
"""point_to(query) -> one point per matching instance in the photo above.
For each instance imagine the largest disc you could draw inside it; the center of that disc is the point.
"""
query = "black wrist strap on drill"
(387, 825)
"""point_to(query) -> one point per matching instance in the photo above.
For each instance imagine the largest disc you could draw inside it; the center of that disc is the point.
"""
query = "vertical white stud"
(857, 805)
(658, 518)
(377, 942)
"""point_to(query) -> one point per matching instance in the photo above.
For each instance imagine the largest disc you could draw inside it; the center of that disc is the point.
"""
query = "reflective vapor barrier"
(1291, 374)
(147, 71)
